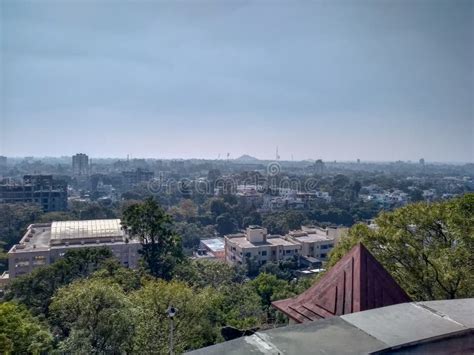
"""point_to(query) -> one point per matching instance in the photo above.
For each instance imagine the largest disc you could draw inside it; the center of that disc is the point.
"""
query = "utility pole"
(171, 311)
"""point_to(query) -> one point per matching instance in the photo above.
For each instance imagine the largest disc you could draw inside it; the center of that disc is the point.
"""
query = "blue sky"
(375, 80)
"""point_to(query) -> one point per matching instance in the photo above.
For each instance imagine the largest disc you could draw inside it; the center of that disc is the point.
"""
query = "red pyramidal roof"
(357, 282)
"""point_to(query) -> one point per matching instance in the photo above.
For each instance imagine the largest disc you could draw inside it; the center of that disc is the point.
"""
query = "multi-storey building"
(310, 243)
(135, 177)
(315, 242)
(3, 164)
(47, 242)
(80, 164)
(42, 190)
(258, 245)
(215, 246)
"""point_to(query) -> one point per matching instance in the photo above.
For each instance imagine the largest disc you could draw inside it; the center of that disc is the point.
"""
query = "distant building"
(137, 176)
(45, 243)
(315, 242)
(42, 190)
(319, 166)
(422, 162)
(80, 164)
(249, 196)
(214, 246)
(256, 244)
(3, 164)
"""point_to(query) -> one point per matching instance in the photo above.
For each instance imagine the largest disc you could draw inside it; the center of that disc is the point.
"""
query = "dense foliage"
(21, 333)
(91, 304)
(36, 289)
(161, 246)
(428, 248)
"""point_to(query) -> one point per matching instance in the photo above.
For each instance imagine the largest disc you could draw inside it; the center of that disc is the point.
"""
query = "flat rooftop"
(43, 236)
(435, 327)
(309, 238)
(271, 241)
(214, 244)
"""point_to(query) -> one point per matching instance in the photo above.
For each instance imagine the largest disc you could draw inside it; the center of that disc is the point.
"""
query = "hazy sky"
(376, 80)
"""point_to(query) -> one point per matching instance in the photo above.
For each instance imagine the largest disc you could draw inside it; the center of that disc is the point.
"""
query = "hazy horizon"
(231, 158)
(341, 80)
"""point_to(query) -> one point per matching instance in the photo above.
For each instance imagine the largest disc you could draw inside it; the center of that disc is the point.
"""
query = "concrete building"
(137, 176)
(42, 190)
(80, 164)
(45, 243)
(214, 246)
(315, 242)
(3, 164)
(257, 244)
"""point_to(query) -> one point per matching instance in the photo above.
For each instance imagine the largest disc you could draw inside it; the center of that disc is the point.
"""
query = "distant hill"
(247, 159)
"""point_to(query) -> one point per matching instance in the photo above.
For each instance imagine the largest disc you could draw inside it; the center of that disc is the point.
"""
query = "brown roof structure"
(357, 282)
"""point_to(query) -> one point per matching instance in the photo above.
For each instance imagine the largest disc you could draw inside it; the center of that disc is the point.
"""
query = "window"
(39, 260)
(323, 255)
(288, 251)
(22, 263)
(248, 255)
(264, 253)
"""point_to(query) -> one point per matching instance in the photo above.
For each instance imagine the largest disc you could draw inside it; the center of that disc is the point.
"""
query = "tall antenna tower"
(277, 156)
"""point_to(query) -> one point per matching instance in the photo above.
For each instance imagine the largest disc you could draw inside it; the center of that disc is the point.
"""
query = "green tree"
(226, 224)
(14, 219)
(36, 289)
(94, 316)
(217, 206)
(194, 325)
(416, 195)
(428, 248)
(161, 246)
(213, 273)
(112, 270)
(21, 333)
(240, 306)
(269, 288)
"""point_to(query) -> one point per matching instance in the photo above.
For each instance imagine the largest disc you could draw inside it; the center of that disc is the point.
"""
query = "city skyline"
(338, 81)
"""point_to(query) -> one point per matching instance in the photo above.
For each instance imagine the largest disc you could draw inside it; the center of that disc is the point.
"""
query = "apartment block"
(311, 244)
(80, 164)
(315, 241)
(257, 244)
(43, 190)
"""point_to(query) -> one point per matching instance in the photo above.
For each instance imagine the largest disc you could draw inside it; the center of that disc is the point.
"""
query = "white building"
(45, 243)
(315, 242)
(308, 242)
(256, 244)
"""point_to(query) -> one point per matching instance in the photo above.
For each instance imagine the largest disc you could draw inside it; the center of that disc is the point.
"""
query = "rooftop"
(214, 244)
(242, 241)
(96, 228)
(43, 236)
(420, 327)
(357, 282)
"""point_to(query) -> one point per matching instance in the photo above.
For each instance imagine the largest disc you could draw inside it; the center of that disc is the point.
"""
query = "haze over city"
(211, 177)
(332, 80)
